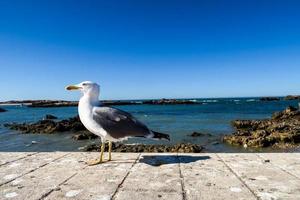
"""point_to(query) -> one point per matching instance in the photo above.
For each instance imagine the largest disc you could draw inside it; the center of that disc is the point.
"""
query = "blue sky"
(149, 49)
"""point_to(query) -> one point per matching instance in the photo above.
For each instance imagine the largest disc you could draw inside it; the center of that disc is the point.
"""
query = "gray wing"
(119, 124)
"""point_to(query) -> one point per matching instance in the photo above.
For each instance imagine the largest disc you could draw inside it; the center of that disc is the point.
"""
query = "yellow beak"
(73, 87)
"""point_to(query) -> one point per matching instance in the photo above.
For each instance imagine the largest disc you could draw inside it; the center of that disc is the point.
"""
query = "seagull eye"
(84, 84)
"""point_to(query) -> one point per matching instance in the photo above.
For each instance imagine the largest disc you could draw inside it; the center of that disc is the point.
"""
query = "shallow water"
(213, 117)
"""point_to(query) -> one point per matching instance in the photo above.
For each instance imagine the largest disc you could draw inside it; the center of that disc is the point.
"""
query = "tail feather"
(160, 136)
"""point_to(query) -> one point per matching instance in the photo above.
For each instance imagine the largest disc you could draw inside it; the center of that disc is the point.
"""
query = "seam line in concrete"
(237, 176)
(123, 180)
(63, 182)
(57, 187)
(282, 169)
(28, 155)
(30, 171)
(181, 179)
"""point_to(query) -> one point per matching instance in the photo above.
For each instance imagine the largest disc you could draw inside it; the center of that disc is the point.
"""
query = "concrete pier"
(64, 175)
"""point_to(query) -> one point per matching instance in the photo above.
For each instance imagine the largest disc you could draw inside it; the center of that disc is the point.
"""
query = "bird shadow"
(158, 160)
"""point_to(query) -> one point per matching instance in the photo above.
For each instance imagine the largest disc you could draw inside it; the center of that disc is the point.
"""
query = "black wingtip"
(160, 136)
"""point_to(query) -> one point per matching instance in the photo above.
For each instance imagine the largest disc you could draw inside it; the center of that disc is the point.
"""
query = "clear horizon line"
(153, 98)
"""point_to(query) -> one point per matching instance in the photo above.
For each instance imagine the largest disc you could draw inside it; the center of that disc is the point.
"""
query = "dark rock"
(292, 97)
(48, 116)
(49, 126)
(282, 128)
(287, 113)
(269, 99)
(119, 103)
(198, 134)
(138, 148)
(2, 110)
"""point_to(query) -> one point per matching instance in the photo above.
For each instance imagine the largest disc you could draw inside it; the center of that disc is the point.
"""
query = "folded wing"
(119, 124)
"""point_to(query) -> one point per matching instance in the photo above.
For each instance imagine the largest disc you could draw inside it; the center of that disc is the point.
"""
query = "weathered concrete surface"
(64, 175)
(211, 179)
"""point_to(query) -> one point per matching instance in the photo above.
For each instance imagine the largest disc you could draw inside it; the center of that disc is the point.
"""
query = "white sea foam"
(193, 100)
(210, 100)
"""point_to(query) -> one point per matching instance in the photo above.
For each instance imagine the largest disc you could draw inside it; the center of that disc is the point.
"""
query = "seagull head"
(86, 87)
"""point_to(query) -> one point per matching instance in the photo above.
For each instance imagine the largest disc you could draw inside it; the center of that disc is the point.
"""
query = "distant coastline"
(163, 101)
(62, 103)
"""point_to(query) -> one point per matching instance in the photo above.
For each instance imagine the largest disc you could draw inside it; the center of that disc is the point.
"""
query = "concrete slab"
(96, 182)
(263, 178)
(147, 195)
(206, 177)
(155, 176)
(27, 164)
(44, 180)
(7, 157)
(151, 176)
(290, 163)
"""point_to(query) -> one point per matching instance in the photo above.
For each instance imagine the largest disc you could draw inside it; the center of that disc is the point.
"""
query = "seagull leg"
(100, 160)
(102, 151)
(109, 150)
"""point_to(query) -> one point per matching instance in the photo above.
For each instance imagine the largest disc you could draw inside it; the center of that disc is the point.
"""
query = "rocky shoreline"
(269, 99)
(61, 103)
(292, 97)
(282, 130)
(49, 126)
(143, 148)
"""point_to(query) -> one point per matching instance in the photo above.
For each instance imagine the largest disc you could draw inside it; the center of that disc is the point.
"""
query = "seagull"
(110, 124)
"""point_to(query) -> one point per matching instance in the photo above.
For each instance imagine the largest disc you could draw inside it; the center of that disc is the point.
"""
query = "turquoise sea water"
(213, 117)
